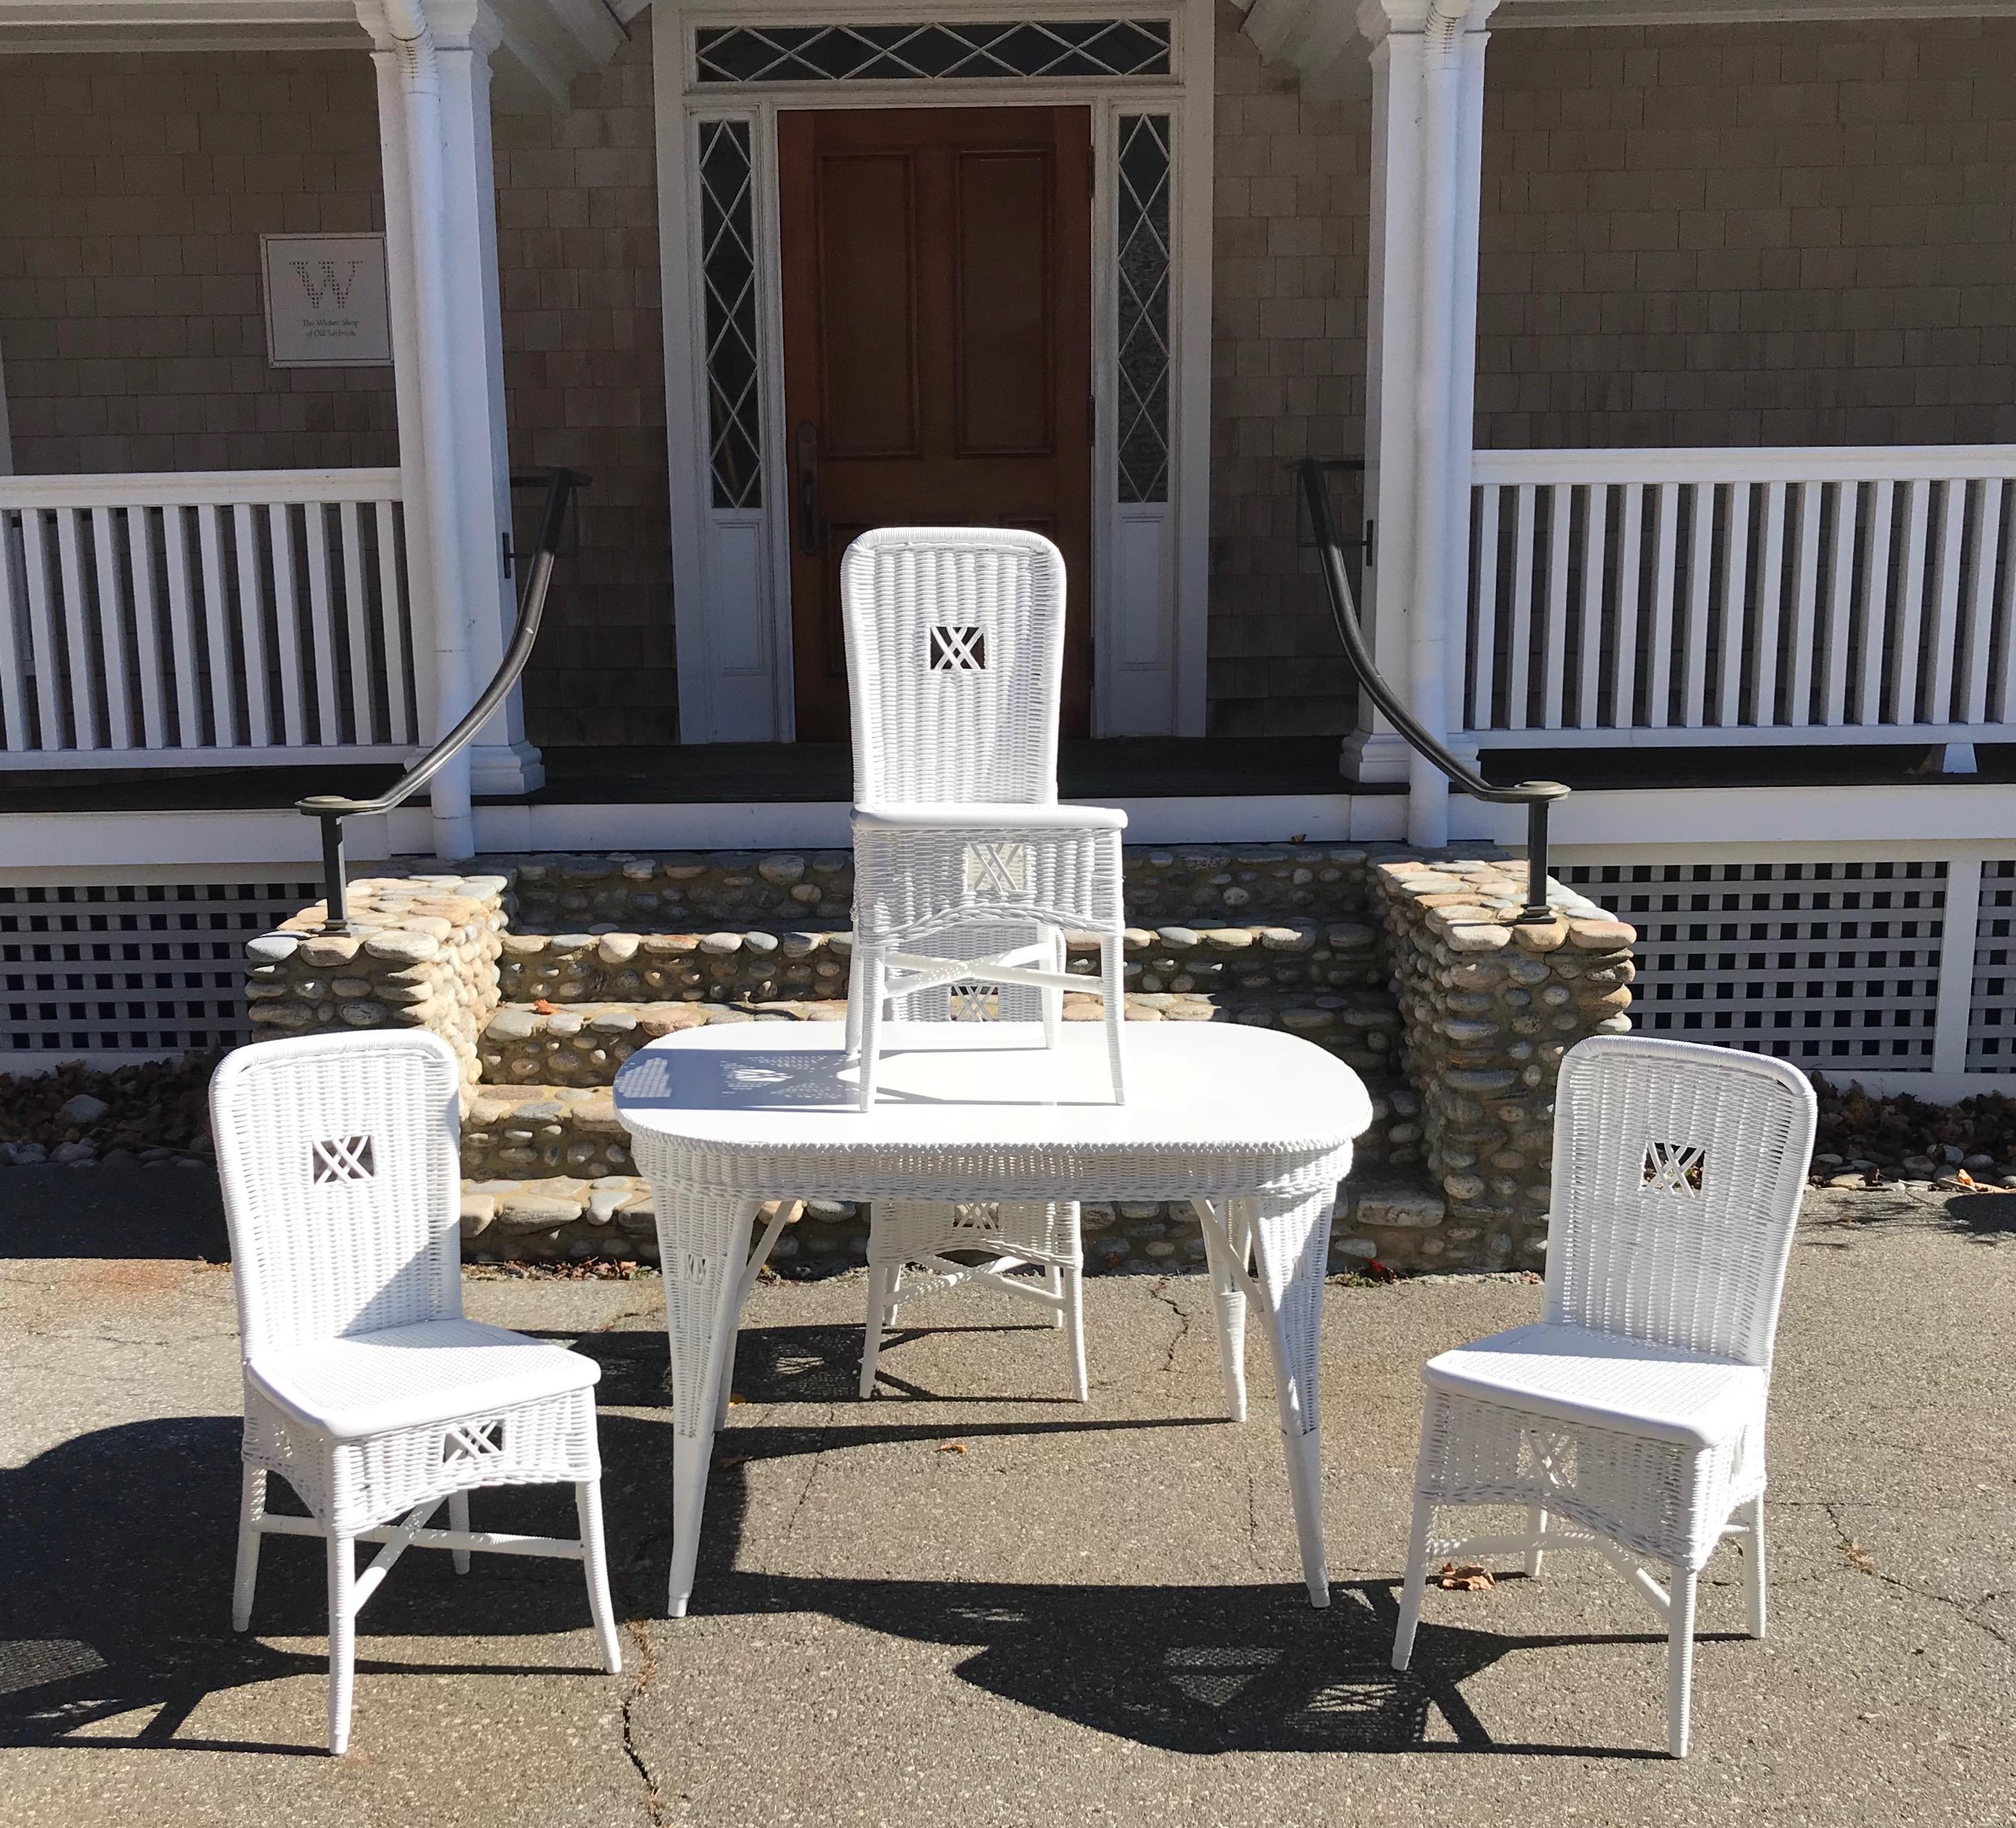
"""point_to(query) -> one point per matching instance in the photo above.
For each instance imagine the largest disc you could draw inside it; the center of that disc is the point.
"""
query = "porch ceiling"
(545, 43)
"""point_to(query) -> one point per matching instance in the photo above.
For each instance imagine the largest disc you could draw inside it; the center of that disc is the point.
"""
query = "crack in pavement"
(1870, 1571)
(824, 1425)
(1160, 1290)
(647, 1670)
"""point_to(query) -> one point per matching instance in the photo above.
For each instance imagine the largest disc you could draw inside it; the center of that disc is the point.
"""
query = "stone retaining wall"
(1489, 1007)
(694, 891)
(732, 966)
(421, 953)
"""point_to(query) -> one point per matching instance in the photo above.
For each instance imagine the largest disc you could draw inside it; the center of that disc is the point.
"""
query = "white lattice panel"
(1991, 1028)
(131, 970)
(1831, 965)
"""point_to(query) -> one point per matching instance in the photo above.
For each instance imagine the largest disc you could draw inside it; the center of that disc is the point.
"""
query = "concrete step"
(1391, 1217)
(760, 962)
(583, 1045)
(700, 891)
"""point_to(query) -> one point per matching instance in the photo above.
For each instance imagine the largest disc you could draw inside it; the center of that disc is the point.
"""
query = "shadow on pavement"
(164, 1212)
(118, 1548)
(1187, 1669)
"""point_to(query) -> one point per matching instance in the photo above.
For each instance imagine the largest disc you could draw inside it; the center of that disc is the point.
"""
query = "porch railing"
(1657, 598)
(253, 617)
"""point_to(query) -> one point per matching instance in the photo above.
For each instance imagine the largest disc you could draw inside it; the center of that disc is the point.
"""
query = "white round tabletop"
(1192, 1088)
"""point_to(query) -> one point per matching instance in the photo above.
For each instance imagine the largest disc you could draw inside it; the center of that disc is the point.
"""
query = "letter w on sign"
(322, 287)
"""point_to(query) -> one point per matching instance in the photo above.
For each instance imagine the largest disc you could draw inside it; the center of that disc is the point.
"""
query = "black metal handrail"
(332, 809)
(1537, 796)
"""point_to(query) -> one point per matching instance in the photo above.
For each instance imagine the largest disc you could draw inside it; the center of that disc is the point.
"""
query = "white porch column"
(433, 62)
(500, 762)
(1427, 66)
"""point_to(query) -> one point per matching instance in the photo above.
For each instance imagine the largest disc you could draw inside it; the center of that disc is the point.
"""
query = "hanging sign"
(326, 301)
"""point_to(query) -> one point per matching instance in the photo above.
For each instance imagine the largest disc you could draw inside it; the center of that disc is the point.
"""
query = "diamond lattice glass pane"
(728, 284)
(912, 53)
(1143, 313)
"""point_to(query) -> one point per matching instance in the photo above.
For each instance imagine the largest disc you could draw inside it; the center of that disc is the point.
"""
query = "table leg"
(1290, 1234)
(1228, 1299)
(703, 1253)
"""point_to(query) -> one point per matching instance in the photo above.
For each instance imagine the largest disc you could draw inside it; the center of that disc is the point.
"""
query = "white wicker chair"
(910, 1241)
(955, 657)
(365, 1387)
(1630, 1419)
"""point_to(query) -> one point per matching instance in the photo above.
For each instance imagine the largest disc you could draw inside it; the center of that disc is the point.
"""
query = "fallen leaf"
(1378, 1271)
(723, 1461)
(1966, 1179)
(1469, 1578)
(541, 1006)
(735, 1399)
(951, 1446)
(1858, 1557)
(1300, 838)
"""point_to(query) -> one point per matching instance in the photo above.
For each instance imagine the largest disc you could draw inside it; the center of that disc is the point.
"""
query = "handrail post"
(335, 883)
(1536, 909)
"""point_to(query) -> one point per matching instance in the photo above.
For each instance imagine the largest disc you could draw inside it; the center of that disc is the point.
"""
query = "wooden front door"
(938, 352)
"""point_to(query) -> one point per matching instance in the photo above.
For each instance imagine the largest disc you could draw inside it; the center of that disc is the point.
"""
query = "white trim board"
(1717, 818)
(57, 847)
(732, 568)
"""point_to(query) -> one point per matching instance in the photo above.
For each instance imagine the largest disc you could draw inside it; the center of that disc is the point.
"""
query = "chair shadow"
(1200, 1670)
(119, 1545)
(114, 1607)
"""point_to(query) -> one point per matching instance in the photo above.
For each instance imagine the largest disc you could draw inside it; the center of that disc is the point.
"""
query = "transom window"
(968, 49)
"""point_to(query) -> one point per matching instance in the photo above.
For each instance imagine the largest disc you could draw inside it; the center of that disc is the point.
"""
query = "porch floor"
(1097, 771)
(1150, 767)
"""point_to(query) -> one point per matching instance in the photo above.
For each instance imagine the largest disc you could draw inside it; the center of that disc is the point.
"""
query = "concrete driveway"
(972, 1601)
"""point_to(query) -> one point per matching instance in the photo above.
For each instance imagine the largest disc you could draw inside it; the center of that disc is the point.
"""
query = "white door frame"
(732, 568)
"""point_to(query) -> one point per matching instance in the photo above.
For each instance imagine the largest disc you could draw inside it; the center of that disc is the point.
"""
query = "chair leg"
(853, 1004)
(1752, 1514)
(457, 1519)
(880, 1277)
(342, 1640)
(870, 1001)
(1680, 1660)
(1537, 1525)
(594, 1564)
(1053, 1287)
(1054, 1000)
(1113, 981)
(1073, 1278)
(1415, 1587)
(251, 1508)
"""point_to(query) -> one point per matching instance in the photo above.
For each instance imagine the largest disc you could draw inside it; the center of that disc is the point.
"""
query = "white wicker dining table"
(1252, 1128)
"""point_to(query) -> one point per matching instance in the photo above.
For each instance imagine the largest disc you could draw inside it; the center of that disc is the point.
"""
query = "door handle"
(809, 539)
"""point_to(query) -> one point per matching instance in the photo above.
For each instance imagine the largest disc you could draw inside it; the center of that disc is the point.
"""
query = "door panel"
(867, 282)
(1004, 324)
(937, 357)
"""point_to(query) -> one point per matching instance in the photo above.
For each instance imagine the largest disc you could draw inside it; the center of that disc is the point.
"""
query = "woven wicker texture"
(365, 1387)
(1634, 1412)
(954, 664)
(955, 654)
